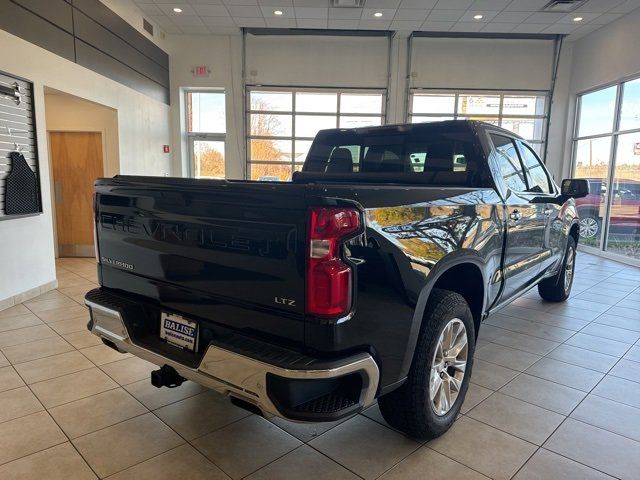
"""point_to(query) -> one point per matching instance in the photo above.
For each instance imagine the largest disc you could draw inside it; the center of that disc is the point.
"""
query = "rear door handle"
(515, 215)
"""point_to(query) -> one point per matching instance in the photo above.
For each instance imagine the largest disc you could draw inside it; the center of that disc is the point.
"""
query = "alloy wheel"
(588, 227)
(568, 268)
(448, 367)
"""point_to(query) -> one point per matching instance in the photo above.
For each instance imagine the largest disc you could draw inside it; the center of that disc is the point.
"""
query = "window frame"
(293, 113)
(498, 177)
(457, 93)
(523, 144)
(192, 137)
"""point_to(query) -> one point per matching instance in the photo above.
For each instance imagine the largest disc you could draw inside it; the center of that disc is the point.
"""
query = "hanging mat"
(21, 192)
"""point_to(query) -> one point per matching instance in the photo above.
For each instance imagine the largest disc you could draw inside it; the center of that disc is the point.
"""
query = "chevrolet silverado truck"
(364, 278)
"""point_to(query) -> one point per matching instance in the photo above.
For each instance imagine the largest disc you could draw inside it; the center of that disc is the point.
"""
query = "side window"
(508, 162)
(537, 177)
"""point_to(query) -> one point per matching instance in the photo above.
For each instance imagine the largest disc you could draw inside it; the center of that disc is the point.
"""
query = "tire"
(590, 225)
(558, 287)
(410, 408)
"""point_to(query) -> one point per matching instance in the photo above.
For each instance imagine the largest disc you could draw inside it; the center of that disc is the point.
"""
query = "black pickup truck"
(367, 277)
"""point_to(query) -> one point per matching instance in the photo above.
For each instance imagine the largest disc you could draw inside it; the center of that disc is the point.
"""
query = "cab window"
(537, 178)
(508, 163)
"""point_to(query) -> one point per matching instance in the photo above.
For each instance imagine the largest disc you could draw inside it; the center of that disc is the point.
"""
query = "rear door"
(526, 220)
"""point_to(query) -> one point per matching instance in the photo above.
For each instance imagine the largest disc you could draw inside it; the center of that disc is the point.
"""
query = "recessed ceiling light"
(578, 19)
(478, 17)
(277, 12)
(177, 10)
(377, 14)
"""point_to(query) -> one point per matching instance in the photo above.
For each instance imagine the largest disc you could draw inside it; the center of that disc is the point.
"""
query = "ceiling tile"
(267, 12)
(205, 2)
(453, 4)
(495, 5)
(150, 8)
(312, 23)
(487, 16)
(582, 31)
(171, 29)
(598, 6)
(249, 22)
(240, 2)
(195, 30)
(186, 9)
(374, 25)
(281, 22)
(310, 12)
(211, 10)
(382, 3)
(560, 28)
(530, 28)
(387, 14)
(586, 18)
(545, 17)
(626, 7)
(245, 11)
(345, 13)
(188, 21)
(467, 27)
(224, 30)
(162, 20)
(276, 3)
(511, 17)
(406, 25)
(495, 27)
(605, 18)
(436, 26)
(166, 2)
(343, 24)
(218, 21)
(309, 3)
(526, 5)
(445, 15)
(411, 14)
(418, 3)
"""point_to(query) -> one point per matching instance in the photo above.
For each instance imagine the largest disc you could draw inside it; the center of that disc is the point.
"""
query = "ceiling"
(498, 16)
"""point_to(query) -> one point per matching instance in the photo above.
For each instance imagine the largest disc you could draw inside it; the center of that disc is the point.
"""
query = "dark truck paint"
(435, 208)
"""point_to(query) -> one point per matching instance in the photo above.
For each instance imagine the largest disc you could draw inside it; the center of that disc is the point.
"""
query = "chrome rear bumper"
(231, 373)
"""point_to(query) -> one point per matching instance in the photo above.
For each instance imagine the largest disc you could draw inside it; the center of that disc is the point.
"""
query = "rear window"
(439, 155)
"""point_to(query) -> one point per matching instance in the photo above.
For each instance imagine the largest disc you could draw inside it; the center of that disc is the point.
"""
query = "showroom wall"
(27, 253)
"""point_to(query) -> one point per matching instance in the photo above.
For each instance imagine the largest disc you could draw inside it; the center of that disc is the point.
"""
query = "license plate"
(179, 331)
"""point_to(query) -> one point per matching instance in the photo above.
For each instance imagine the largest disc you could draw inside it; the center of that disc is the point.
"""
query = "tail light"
(329, 279)
(95, 227)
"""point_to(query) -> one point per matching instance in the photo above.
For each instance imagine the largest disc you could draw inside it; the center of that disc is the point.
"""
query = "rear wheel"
(427, 404)
(558, 287)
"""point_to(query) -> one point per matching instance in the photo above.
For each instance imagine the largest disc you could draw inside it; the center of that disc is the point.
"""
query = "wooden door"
(76, 159)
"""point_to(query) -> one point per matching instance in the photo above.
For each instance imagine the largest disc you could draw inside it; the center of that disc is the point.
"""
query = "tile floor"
(555, 394)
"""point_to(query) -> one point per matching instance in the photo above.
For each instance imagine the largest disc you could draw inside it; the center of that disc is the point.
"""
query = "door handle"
(547, 212)
(515, 215)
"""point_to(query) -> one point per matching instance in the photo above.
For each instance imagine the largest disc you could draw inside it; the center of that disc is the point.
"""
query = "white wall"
(27, 253)
(129, 12)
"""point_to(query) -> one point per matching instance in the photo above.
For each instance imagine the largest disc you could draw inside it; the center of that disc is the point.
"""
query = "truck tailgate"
(226, 252)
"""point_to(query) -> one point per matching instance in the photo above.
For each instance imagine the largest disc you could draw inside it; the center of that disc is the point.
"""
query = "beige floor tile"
(527, 343)
(25, 335)
(429, 464)
(3, 360)
(609, 415)
(620, 322)
(61, 462)
(583, 358)
(19, 321)
(198, 415)
(13, 311)
(620, 390)
(475, 395)
(74, 386)
(9, 379)
(612, 333)
(101, 354)
(548, 465)
(633, 354)
(61, 314)
(627, 369)
(29, 434)
(181, 463)
(483, 448)
(245, 446)
(300, 463)
(17, 403)
(565, 373)
(39, 305)
(545, 394)
(514, 416)
(34, 350)
(51, 367)
(528, 327)
(72, 325)
(490, 375)
(93, 413)
(78, 293)
(154, 398)
(304, 431)
(597, 448)
(121, 446)
(598, 344)
(364, 446)
(129, 370)
(82, 339)
(507, 357)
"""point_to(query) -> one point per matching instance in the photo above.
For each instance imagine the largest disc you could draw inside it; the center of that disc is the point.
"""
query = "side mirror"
(574, 188)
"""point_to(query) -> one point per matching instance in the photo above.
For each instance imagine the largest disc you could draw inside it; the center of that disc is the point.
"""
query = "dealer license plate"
(179, 331)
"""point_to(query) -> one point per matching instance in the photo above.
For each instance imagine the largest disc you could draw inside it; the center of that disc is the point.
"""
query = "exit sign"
(200, 71)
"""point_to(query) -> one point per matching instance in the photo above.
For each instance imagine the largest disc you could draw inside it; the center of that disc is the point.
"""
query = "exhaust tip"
(248, 406)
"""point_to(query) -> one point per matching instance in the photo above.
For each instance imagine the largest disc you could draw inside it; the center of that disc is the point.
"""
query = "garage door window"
(206, 132)
(283, 122)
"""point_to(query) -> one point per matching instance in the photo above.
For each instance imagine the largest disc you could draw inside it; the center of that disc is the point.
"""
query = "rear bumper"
(327, 391)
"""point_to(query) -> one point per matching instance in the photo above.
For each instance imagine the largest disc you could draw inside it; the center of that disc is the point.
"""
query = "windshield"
(438, 154)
